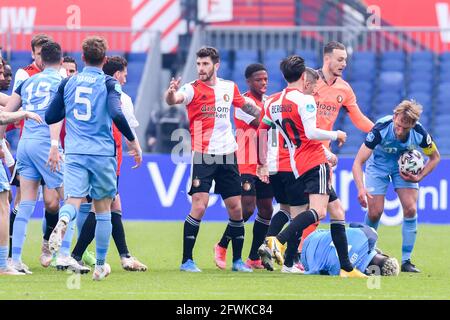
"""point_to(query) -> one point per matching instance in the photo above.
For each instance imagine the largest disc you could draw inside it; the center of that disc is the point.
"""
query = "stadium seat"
(274, 55)
(392, 65)
(421, 75)
(247, 55)
(444, 75)
(423, 98)
(311, 58)
(363, 56)
(137, 57)
(421, 56)
(224, 70)
(420, 86)
(21, 56)
(225, 55)
(442, 120)
(393, 55)
(426, 66)
(361, 87)
(391, 81)
(444, 56)
(363, 71)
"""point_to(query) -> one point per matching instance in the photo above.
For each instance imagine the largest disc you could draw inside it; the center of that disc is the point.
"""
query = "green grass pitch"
(158, 244)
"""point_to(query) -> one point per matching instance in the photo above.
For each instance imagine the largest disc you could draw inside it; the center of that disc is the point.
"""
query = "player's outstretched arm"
(172, 96)
(253, 110)
(364, 153)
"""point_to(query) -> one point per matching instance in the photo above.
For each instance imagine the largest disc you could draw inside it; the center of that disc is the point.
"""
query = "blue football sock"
(409, 233)
(67, 239)
(24, 213)
(103, 231)
(3, 256)
(68, 211)
(82, 216)
(373, 224)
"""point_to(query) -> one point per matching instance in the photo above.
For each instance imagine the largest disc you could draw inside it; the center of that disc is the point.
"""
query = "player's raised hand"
(363, 194)
(33, 116)
(341, 137)
(262, 171)
(174, 85)
(134, 150)
(54, 159)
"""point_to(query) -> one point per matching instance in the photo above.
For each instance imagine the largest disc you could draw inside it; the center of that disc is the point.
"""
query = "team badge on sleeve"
(370, 137)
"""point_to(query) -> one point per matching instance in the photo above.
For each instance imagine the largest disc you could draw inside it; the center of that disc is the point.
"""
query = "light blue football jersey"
(36, 94)
(319, 254)
(387, 148)
(88, 123)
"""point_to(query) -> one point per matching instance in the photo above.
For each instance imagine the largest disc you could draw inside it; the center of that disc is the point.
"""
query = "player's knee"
(247, 210)
(265, 213)
(322, 213)
(409, 211)
(51, 205)
(374, 215)
(199, 208)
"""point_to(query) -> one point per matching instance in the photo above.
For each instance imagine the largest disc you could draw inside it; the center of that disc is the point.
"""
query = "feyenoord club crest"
(196, 183)
(340, 99)
(226, 97)
(247, 186)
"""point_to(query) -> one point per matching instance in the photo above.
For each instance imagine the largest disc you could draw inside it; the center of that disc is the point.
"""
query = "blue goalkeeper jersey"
(319, 254)
(36, 94)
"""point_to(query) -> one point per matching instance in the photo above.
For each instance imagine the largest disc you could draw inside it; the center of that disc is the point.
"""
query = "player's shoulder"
(383, 122)
(344, 85)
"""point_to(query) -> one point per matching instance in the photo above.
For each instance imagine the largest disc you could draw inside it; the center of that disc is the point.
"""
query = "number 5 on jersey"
(79, 99)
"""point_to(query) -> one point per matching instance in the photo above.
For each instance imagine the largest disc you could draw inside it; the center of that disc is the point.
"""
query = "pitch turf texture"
(159, 244)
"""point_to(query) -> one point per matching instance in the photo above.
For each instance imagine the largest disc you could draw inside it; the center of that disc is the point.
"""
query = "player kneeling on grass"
(319, 254)
(389, 139)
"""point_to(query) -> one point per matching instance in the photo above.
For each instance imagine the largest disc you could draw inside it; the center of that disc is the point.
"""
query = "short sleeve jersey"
(387, 148)
(209, 109)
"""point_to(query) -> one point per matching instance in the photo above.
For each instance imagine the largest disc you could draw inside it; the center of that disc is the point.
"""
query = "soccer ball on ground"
(411, 161)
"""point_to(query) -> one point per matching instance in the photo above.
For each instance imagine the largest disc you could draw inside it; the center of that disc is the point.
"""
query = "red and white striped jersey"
(246, 137)
(278, 159)
(209, 115)
(288, 110)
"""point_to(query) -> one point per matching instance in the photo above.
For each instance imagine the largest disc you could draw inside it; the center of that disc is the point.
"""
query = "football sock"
(409, 233)
(69, 211)
(87, 234)
(118, 234)
(237, 232)
(103, 230)
(277, 223)
(67, 239)
(291, 250)
(12, 217)
(259, 233)
(3, 256)
(190, 232)
(82, 216)
(370, 223)
(340, 243)
(24, 213)
(225, 240)
(297, 225)
(50, 221)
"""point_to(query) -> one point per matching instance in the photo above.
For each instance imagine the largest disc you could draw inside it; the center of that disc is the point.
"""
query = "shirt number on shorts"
(86, 115)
